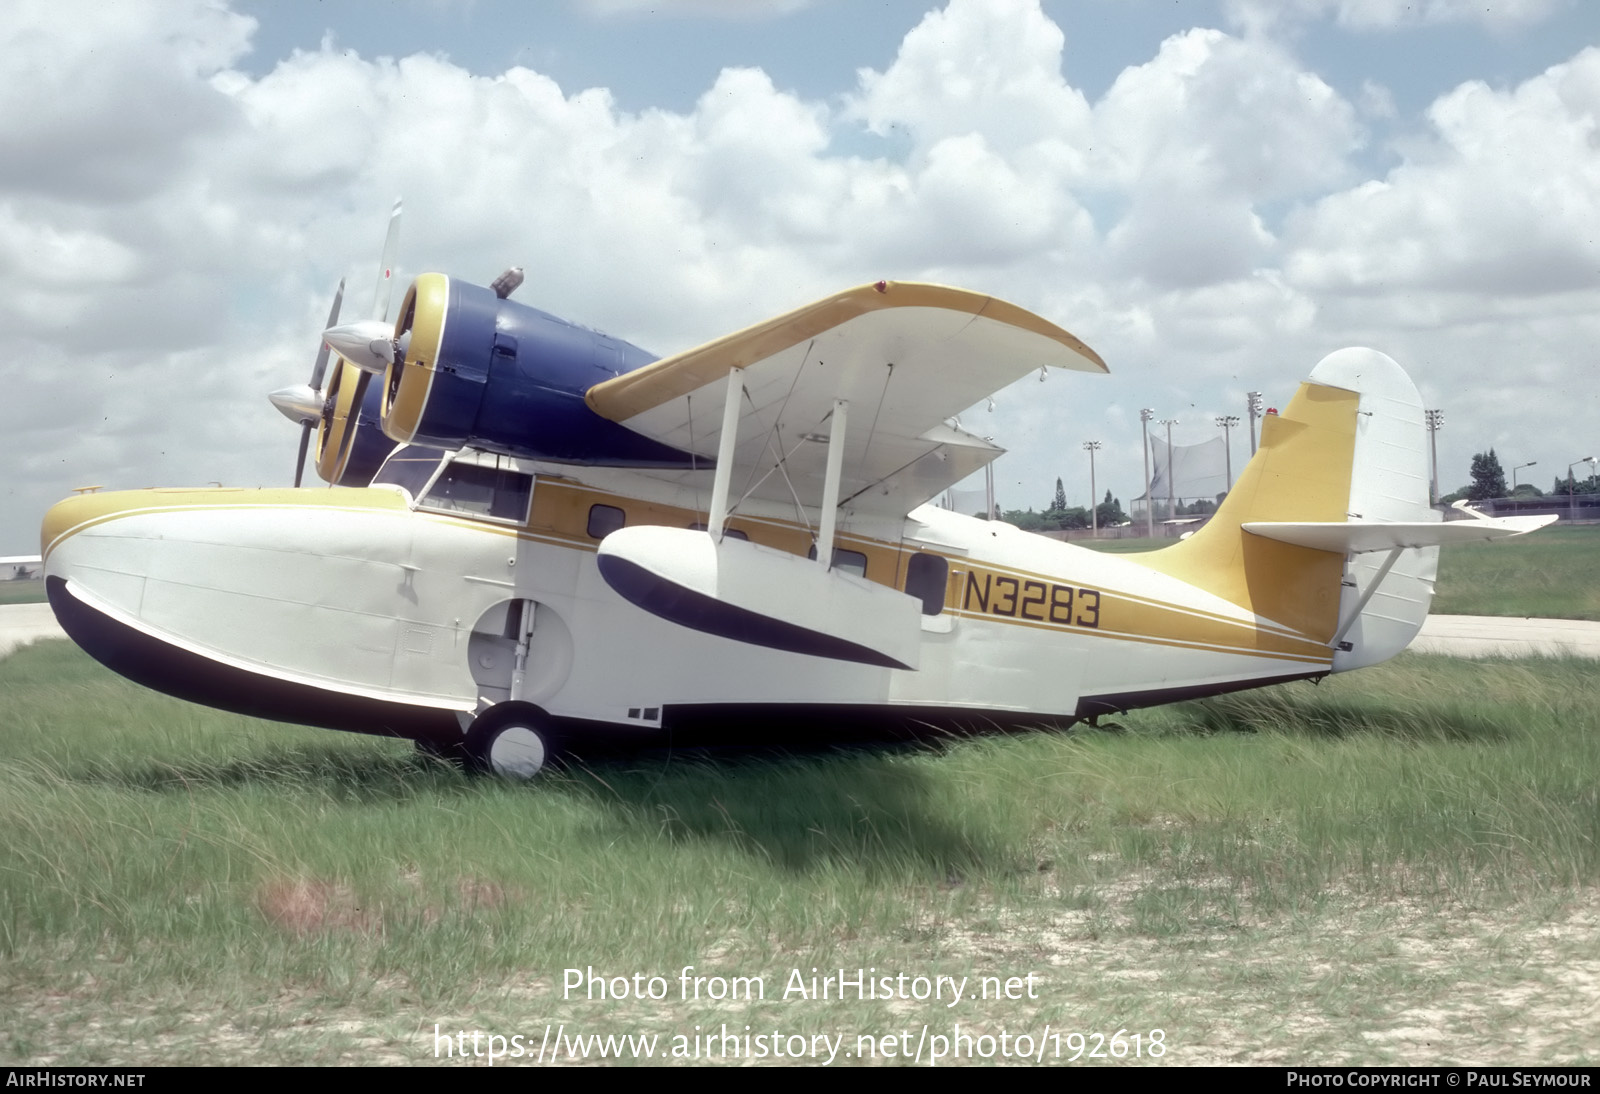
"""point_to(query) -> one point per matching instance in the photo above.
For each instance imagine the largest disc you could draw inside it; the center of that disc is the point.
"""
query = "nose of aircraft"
(269, 602)
(82, 511)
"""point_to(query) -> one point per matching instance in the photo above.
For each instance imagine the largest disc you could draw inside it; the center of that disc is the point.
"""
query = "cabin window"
(851, 562)
(727, 533)
(495, 493)
(605, 519)
(927, 576)
(409, 467)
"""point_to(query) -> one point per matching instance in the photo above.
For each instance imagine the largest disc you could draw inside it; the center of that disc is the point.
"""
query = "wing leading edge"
(905, 356)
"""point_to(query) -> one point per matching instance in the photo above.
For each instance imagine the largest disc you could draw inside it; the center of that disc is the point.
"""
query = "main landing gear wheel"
(513, 746)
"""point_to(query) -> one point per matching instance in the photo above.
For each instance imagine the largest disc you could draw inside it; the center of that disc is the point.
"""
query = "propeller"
(302, 403)
(367, 344)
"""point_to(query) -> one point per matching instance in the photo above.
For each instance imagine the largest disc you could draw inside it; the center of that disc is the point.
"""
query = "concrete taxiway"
(1452, 635)
(1499, 636)
(24, 623)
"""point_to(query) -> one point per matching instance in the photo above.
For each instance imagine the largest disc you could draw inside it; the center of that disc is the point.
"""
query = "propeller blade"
(322, 351)
(391, 246)
(300, 460)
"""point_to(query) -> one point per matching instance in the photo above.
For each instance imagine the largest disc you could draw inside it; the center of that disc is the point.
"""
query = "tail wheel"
(513, 745)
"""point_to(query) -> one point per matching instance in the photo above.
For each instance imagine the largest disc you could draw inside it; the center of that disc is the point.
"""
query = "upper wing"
(905, 356)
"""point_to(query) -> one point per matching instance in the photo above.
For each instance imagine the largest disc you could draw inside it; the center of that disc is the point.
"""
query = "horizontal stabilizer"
(1358, 537)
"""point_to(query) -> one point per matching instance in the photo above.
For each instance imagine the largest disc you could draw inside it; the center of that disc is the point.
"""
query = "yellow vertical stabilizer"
(1301, 472)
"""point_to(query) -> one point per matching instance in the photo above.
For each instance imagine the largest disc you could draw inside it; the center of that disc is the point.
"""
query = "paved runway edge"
(21, 624)
(1505, 636)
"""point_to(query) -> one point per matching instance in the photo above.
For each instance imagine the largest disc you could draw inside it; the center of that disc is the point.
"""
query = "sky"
(1212, 194)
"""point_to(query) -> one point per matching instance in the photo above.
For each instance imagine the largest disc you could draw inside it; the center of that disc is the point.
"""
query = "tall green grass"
(163, 860)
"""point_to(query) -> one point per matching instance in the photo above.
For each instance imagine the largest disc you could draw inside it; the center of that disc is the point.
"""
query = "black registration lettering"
(1000, 582)
(1089, 613)
(999, 594)
(1061, 603)
(1030, 600)
(982, 592)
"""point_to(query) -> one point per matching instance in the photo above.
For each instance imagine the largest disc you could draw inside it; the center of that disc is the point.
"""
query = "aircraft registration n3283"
(541, 538)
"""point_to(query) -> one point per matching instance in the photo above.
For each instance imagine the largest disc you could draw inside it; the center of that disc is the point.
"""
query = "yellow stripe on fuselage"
(1042, 601)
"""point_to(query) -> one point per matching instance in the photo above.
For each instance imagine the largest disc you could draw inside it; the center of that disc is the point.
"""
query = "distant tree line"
(1489, 481)
(1059, 516)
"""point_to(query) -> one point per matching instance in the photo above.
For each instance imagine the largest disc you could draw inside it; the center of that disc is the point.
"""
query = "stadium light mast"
(1590, 460)
(1092, 447)
(1435, 420)
(1149, 503)
(1169, 423)
(1252, 402)
(1227, 422)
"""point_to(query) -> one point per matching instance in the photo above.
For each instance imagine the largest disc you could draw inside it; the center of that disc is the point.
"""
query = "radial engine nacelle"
(471, 368)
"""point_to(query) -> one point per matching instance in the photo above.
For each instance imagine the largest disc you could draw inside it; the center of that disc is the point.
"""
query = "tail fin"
(1348, 449)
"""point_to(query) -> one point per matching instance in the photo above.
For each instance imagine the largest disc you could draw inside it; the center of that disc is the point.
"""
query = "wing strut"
(725, 448)
(830, 484)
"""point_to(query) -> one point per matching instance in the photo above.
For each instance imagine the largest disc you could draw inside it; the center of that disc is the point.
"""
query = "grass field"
(1398, 866)
(22, 592)
(1552, 573)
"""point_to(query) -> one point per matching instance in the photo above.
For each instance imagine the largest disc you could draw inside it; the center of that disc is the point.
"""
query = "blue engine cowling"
(473, 369)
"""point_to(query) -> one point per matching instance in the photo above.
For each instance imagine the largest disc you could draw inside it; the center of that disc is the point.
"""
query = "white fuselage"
(365, 594)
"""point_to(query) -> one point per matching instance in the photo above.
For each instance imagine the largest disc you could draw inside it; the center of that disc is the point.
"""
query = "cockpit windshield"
(491, 490)
(409, 467)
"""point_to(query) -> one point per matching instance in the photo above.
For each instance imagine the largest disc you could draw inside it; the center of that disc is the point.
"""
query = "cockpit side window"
(604, 519)
(845, 561)
(495, 493)
(727, 533)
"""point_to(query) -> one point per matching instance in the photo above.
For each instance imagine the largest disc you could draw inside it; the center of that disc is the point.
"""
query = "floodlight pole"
(1092, 447)
(1171, 478)
(1252, 402)
(1149, 502)
(1435, 419)
(1227, 422)
(1572, 512)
